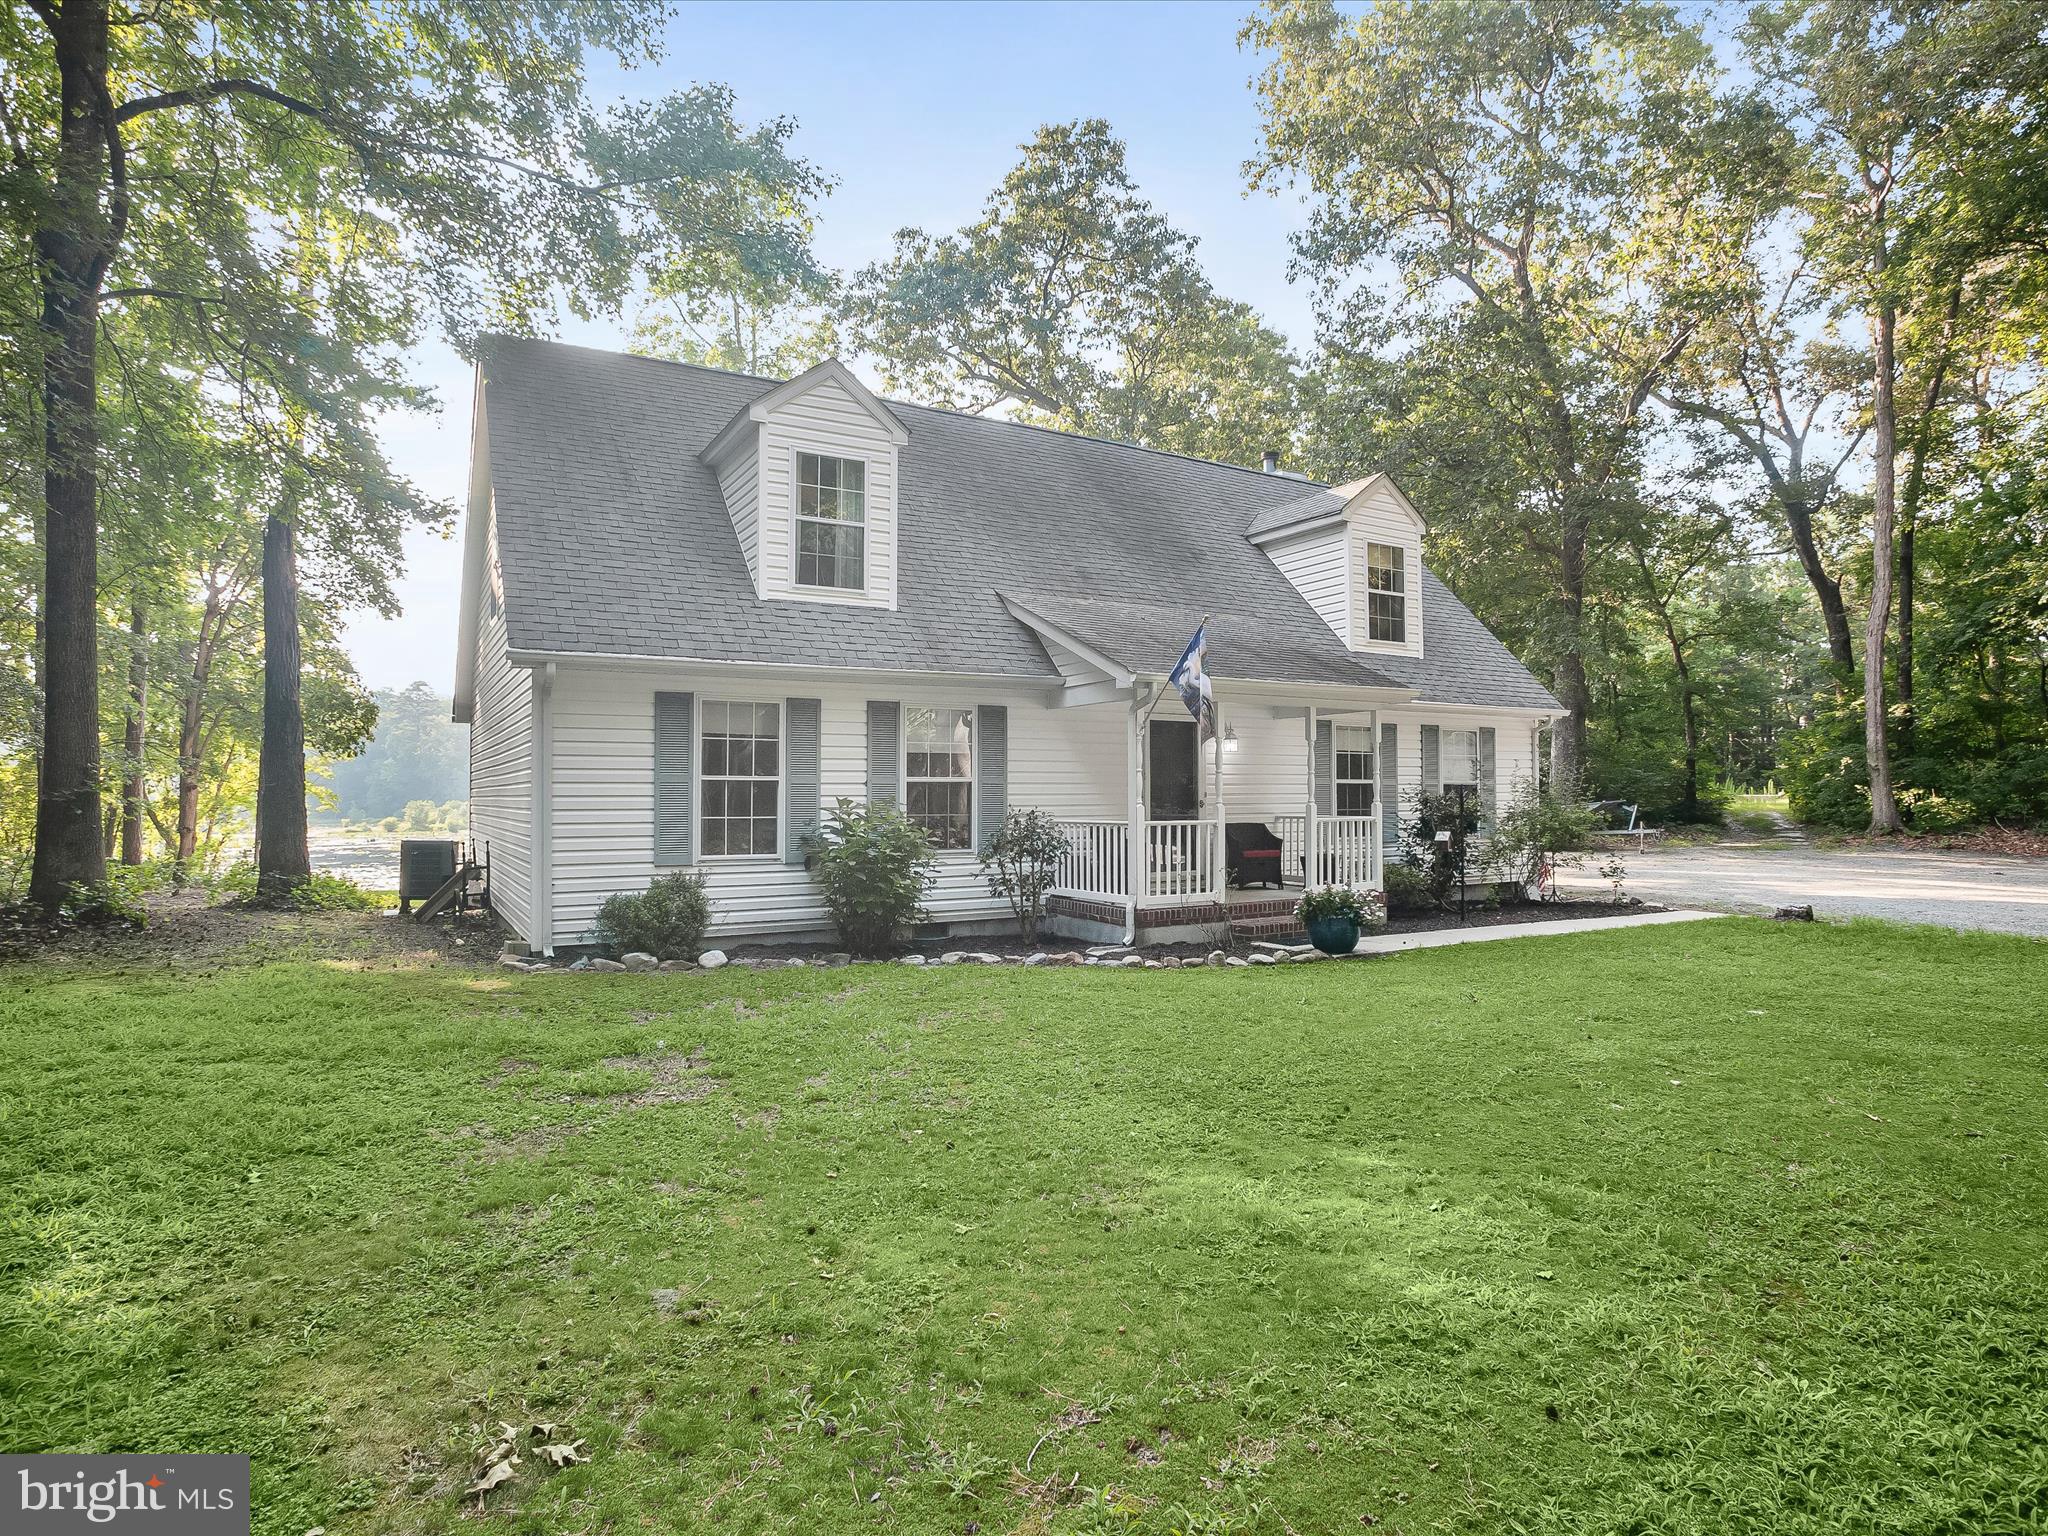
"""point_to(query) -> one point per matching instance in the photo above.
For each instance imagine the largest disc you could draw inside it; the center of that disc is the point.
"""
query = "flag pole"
(1146, 718)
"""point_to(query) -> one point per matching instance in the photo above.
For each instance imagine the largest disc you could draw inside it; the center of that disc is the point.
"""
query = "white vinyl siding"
(501, 760)
(826, 420)
(1069, 762)
(1066, 761)
(1514, 757)
(739, 482)
(1380, 518)
(1317, 565)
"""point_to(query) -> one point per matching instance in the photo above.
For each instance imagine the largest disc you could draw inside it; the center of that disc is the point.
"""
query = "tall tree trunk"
(1568, 736)
(1884, 806)
(191, 730)
(74, 238)
(282, 860)
(136, 736)
(1909, 514)
(1827, 590)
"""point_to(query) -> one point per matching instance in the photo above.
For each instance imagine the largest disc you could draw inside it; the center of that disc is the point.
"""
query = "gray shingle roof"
(1150, 637)
(1315, 504)
(614, 539)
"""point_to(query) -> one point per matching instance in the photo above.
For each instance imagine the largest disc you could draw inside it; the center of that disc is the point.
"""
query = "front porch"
(1183, 880)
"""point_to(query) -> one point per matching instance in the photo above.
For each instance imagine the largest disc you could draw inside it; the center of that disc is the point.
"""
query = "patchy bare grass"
(1711, 1228)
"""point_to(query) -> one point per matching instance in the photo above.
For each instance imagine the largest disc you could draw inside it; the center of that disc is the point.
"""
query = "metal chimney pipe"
(1272, 464)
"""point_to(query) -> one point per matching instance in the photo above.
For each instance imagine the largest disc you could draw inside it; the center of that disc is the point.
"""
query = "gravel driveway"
(1955, 890)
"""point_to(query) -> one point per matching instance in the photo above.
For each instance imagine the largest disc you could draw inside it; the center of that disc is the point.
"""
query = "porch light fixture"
(1230, 738)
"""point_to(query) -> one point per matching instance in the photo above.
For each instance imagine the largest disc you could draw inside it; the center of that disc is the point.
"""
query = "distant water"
(369, 859)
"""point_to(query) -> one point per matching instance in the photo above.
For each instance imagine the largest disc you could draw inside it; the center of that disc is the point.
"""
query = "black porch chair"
(1251, 853)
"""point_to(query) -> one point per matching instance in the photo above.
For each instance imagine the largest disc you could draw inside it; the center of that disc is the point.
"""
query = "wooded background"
(1714, 361)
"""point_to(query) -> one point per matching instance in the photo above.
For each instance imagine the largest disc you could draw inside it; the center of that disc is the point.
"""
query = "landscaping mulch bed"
(188, 932)
(1521, 912)
(1476, 916)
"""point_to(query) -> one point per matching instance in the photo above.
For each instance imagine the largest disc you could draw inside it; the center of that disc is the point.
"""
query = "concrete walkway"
(1436, 938)
(1993, 892)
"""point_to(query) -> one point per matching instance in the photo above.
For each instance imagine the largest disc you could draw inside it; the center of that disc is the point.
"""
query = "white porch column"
(1308, 821)
(1134, 773)
(1219, 878)
(1375, 875)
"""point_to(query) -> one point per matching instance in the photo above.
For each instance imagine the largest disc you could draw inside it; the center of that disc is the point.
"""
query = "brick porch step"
(1282, 927)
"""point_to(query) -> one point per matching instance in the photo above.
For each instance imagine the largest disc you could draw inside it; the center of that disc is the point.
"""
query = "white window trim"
(781, 782)
(973, 779)
(1407, 564)
(1337, 752)
(1444, 781)
(796, 521)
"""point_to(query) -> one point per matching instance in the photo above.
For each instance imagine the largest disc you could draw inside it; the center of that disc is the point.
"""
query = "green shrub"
(873, 865)
(1408, 891)
(335, 893)
(1437, 862)
(667, 920)
(1021, 862)
(238, 881)
(119, 898)
(1535, 829)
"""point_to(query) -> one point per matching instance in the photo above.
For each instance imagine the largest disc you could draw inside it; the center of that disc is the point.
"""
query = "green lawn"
(1728, 1226)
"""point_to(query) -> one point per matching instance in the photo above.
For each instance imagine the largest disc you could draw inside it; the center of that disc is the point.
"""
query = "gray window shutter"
(1486, 773)
(991, 770)
(800, 774)
(885, 752)
(1326, 769)
(675, 746)
(1432, 761)
(1389, 799)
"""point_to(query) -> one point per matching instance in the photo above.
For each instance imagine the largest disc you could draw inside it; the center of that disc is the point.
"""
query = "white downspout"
(542, 917)
(1308, 821)
(1134, 774)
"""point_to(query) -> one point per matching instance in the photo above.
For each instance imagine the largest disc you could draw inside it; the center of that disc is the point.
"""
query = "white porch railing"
(1098, 860)
(1184, 859)
(1347, 849)
(1180, 860)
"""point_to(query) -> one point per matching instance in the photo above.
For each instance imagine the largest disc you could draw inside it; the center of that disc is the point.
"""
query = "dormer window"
(1386, 577)
(831, 522)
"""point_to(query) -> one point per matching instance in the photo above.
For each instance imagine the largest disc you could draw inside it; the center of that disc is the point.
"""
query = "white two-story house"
(698, 607)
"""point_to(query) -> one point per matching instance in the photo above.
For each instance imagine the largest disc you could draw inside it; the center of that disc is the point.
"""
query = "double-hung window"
(741, 781)
(1386, 593)
(1458, 761)
(1354, 770)
(938, 774)
(831, 522)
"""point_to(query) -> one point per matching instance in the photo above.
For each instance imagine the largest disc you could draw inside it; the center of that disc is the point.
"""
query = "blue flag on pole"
(1190, 677)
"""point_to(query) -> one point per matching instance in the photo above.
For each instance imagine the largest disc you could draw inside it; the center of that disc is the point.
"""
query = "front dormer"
(809, 473)
(1354, 552)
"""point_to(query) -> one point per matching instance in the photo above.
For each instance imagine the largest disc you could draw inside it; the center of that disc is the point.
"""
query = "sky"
(917, 110)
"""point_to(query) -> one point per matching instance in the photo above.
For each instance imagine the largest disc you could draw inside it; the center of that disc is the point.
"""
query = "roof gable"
(830, 371)
(1326, 505)
(614, 540)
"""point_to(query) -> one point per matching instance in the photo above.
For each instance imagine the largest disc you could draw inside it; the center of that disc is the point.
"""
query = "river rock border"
(1105, 957)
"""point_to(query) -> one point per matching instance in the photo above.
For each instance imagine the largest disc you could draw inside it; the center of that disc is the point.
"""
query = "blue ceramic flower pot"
(1333, 935)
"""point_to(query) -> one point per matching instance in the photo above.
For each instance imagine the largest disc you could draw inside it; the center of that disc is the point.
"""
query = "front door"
(1173, 786)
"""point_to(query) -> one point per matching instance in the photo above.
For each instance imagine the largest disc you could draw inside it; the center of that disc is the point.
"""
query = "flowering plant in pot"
(1335, 915)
